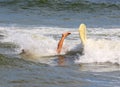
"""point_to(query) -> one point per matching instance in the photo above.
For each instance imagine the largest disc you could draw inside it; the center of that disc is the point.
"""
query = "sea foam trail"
(30, 41)
(36, 42)
(103, 45)
(101, 51)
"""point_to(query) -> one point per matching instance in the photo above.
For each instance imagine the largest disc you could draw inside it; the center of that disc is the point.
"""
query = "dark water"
(63, 13)
(16, 73)
(22, 20)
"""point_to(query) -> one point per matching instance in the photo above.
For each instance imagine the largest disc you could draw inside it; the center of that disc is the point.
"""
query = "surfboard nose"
(82, 33)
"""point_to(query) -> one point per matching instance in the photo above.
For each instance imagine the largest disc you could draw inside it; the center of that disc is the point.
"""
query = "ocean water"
(37, 25)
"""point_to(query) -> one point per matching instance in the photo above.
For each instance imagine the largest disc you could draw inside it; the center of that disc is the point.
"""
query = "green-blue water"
(63, 13)
(36, 26)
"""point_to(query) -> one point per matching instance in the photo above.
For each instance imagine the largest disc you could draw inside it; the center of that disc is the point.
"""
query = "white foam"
(101, 51)
(103, 45)
(36, 42)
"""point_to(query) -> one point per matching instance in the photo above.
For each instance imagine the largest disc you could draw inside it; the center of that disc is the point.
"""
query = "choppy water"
(63, 13)
(36, 26)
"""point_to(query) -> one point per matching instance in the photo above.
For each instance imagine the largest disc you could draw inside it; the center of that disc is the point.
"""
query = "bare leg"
(60, 44)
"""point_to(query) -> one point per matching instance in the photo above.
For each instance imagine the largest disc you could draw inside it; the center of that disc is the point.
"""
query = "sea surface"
(36, 27)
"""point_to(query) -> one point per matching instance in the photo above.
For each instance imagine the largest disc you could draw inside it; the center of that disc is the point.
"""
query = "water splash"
(102, 45)
(36, 43)
(101, 51)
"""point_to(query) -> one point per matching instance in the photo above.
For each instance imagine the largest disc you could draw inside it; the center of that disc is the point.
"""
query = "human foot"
(66, 34)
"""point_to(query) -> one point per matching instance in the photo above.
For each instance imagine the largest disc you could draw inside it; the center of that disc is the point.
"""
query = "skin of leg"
(60, 44)
(61, 60)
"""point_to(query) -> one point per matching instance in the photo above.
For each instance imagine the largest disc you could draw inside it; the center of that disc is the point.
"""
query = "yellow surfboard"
(82, 33)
